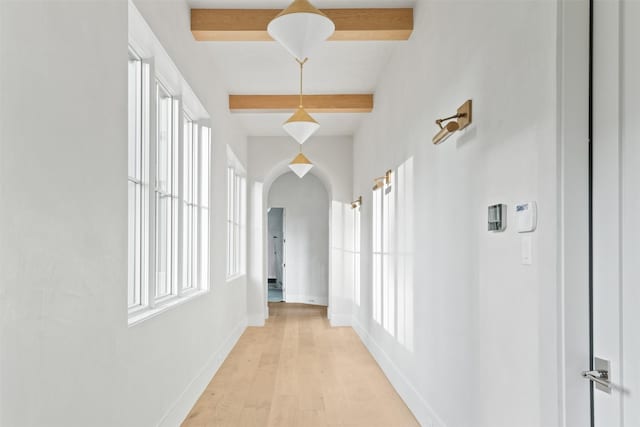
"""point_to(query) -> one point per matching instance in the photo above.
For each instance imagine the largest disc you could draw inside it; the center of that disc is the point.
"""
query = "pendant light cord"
(301, 73)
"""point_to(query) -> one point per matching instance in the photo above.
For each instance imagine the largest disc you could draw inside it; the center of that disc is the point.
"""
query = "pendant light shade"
(300, 165)
(301, 126)
(300, 28)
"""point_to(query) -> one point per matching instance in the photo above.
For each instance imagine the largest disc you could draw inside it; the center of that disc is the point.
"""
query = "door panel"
(616, 185)
(630, 153)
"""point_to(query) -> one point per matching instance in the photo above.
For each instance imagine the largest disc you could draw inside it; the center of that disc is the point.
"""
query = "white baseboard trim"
(307, 299)
(340, 319)
(180, 409)
(423, 412)
(255, 320)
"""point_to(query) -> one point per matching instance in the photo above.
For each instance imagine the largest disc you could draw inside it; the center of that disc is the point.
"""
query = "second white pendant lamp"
(300, 28)
(301, 125)
(300, 165)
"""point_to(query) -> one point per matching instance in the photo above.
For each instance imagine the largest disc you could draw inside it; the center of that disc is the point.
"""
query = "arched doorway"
(298, 253)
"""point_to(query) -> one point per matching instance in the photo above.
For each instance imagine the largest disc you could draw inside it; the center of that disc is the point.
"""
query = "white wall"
(306, 204)
(67, 356)
(483, 327)
(268, 159)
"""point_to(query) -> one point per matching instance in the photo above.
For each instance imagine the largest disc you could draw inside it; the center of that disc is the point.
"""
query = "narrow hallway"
(298, 371)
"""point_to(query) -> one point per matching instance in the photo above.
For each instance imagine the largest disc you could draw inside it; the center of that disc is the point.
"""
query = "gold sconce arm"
(463, 117)
(381, 181)
(356, 203)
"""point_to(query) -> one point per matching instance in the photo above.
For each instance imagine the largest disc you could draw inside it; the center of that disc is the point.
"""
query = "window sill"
(235, 277)
(145, 314)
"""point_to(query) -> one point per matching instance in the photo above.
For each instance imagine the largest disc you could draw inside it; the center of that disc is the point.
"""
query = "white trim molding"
(256, 320)
(337, 320)
(423, 412)
(307, 299)
(182, 406)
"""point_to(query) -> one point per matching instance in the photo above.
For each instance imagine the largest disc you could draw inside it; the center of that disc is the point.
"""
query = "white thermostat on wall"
(526, 217)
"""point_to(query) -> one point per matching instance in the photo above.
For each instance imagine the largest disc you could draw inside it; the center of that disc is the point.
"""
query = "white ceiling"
(266, 68)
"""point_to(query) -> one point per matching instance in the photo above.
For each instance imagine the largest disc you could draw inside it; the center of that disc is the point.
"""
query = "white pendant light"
(300, 28)
(300, 165)
(301, 125)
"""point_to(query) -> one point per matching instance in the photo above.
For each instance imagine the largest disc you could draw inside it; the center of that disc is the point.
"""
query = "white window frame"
(236, 217)
(140, 137)
(190, 203)
(196, 161)
(383, 257)
(356, 257)
(204, 217)
(376, 253)
(161, 74)
(169, 192)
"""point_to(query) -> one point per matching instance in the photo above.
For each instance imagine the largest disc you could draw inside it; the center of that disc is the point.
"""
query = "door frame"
(574, 217)
(284, 254)
(608, 205)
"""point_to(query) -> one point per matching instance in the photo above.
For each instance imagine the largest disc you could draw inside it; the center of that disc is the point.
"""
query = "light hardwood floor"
(298, 371)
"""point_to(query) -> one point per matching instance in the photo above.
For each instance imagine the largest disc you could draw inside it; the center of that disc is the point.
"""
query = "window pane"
(190, 236)
(166, 199)
(164, 137)
(235, 222)
(134, 172)
(230, 194)
(187, 238)
(135, 118)
(163, 245)
(356, 257)
(193, 248)
(230, 251)
(205, 155)
(243, 221)
(204, 249)
(133, 246)
(230, 215)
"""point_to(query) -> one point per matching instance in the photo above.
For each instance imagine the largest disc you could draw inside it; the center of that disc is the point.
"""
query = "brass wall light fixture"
(381, 181)
(356, 203)
(463, 117)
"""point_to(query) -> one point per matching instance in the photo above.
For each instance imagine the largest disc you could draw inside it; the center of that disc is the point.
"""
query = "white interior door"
(284, 255)
(616, 210)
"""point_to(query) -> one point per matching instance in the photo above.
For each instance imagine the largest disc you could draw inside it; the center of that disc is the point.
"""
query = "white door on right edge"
(616, 211)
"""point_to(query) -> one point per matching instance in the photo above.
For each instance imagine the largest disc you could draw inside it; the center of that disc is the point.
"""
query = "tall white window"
(168, 188)
(195, 196)
(384, 290)
(376, 234)
(236, 215)
(190, 203)
(166, 192)
(135, 183)
(356, 256)
(205, 176)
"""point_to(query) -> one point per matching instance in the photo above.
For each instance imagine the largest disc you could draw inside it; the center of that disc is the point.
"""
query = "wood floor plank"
(298, 371)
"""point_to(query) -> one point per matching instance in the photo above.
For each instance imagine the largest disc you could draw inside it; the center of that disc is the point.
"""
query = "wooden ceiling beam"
(345, 103)
(351, 24)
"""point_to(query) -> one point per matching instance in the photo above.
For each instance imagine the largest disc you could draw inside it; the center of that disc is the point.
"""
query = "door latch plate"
(603, 365)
